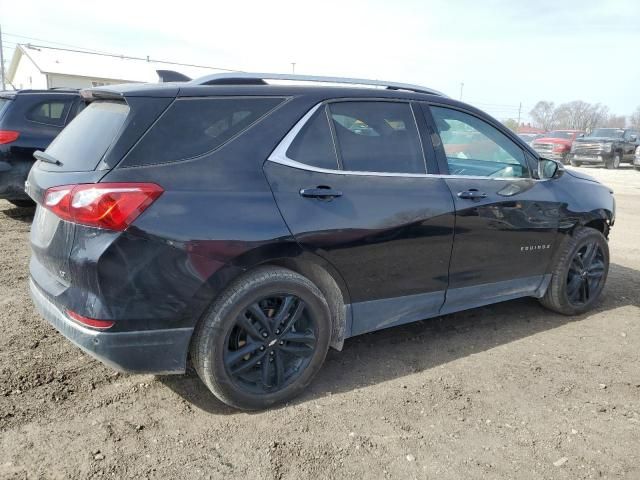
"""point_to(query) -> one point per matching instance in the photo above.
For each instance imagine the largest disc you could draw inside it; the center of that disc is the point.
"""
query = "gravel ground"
(507, 391)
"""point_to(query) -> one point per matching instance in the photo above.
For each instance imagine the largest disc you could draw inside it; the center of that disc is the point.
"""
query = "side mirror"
(581, 135)
(548, 168)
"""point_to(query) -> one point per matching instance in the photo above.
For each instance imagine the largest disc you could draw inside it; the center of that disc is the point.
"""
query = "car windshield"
(558, 134)
(607, 132)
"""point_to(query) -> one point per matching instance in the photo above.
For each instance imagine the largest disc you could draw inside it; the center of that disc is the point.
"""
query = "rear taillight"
(90, 322)
(8, 136)
(113, 206)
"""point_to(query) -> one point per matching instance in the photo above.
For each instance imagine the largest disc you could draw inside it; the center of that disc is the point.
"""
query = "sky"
(506, 52)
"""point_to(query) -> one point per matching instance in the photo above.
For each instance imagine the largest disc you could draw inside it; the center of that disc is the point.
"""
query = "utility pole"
(293, 67)
(461, 87)
(1, 60)
(519, 112)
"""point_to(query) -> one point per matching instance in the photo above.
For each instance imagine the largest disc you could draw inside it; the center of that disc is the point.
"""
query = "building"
(38, 67)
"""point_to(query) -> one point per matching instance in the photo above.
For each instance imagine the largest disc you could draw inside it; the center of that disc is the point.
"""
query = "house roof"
(85, 64)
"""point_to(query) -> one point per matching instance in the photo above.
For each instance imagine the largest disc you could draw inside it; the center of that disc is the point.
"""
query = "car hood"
(597, 139)
(559, 141)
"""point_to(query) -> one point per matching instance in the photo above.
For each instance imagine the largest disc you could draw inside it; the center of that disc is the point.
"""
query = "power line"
(53, 43)
(78, 49)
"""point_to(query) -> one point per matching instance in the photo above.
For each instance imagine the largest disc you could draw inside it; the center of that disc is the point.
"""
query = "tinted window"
(474, 147)
(4, 102)
(83, 143)
(192, 127)
(51, 113)
(314, 145)
(377, 137)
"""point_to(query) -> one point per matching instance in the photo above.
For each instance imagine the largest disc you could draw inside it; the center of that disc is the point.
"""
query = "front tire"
(580, 272)
(264, 339)
(614, 162)
(576, 163)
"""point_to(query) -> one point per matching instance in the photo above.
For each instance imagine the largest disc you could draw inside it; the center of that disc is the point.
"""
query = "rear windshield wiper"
(45, 157)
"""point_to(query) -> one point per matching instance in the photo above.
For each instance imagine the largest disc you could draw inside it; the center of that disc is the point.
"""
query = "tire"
(23, 203)
(575, 163)
(614, 162)
(225, 331)
(558, 296)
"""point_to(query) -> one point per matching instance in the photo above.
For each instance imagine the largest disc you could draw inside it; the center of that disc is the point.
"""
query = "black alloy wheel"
(585, 274)
(272, 342)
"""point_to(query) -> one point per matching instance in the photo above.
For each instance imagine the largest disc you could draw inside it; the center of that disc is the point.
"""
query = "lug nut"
(278, 332)
(265, 334)
(281, 342)
(271, 353)
(262, 348)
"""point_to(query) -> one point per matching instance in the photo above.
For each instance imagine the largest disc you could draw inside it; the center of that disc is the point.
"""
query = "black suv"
(249, 226)
(608, 146)
(29, 121)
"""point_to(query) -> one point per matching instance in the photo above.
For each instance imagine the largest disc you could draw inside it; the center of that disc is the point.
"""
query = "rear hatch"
(86, 150)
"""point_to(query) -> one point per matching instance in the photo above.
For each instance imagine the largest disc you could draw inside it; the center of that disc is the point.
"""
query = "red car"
(556, 144)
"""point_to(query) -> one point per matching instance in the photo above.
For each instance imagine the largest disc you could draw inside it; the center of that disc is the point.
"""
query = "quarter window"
(377, 137)
(314, 145)
(474, 147)
(193, 127)
(52, 113)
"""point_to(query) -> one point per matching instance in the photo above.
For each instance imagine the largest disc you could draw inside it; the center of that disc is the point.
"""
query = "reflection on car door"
(506, 221)
(368, 208)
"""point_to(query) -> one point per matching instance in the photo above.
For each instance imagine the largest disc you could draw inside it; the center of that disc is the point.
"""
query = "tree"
(634, 119)
(581, 115)
(543, 115)
(615, 121)
(511, 124)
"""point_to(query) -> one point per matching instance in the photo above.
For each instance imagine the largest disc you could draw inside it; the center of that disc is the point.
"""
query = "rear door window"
(83, 143)
(195, 126)
(377, 137)
(50, 112)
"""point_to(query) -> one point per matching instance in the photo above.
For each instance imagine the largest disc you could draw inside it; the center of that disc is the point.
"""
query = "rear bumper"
(145, 351)
(12, 178)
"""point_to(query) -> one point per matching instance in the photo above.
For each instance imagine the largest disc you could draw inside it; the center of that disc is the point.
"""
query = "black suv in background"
(29, 121)
(249, 226)
(608, 146)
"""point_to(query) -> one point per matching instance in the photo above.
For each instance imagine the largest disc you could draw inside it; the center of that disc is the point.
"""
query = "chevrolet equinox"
(245, 223)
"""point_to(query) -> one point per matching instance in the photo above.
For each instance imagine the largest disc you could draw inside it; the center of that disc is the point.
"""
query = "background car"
(556, 144)
(530, 137)
(608, 146)
(29, 121)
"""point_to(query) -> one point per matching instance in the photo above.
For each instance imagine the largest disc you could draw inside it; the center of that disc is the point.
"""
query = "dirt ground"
(507, 391)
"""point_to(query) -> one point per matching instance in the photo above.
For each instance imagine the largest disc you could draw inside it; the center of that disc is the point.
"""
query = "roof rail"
(242, 78)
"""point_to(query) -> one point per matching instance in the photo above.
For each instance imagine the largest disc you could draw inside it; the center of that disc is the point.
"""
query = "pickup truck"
(608, 146)
(556, 144)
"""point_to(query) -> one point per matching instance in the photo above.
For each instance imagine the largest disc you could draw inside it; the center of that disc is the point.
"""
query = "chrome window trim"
(279, 155)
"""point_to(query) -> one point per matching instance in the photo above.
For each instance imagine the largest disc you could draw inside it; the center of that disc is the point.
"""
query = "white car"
(636, 160)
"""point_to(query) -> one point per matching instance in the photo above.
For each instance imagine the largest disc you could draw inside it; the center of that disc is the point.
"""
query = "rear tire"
(23, 203)
(614, 162)
(283, 323)
(575, 163)
(576, 264)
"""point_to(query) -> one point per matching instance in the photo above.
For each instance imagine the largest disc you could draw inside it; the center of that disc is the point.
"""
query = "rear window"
(192, 127)
(4, 102)
(50, 112)
(83, 143)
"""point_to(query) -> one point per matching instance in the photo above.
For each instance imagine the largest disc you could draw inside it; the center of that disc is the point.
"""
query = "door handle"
(320, 192)
(472, 194)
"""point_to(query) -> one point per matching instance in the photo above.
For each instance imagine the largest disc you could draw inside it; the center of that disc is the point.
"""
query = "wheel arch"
(291, 256)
